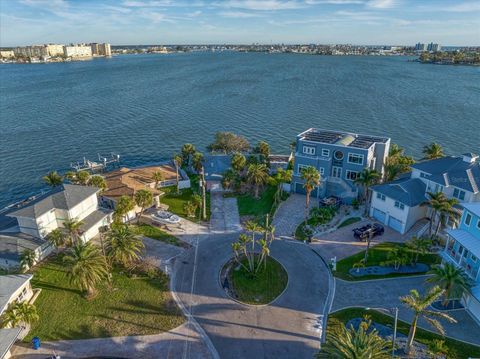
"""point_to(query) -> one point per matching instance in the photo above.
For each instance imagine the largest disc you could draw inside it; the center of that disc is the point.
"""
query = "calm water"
(144, 107)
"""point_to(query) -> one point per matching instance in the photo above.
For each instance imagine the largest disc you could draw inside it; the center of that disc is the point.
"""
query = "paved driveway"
(385, 293)
(225, 217)
(288, 328)
(289, 215)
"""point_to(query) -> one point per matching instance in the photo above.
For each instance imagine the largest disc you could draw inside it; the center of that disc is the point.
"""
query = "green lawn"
(349, 221)
(457, 349)
(176, 201)
(132, 307)
(268, 284)
(248, 205)
(153, 232)
(376, 255)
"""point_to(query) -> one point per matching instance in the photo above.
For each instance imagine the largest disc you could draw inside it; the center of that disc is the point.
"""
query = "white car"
(165, 217)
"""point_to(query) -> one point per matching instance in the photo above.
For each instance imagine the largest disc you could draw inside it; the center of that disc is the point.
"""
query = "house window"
(380, 196)
(423, 175)
(325, 152)
(321, 170)
(355, 158)
(473, 258)
(468, 219)
(399, 205)
(351, 175)
(308, 150)
(301, 168)
(457, 193)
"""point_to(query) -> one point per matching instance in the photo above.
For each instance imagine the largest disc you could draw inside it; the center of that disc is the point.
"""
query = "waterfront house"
(126, 182)
(13, 244)
(400, 204)
(339, 157)
(44, 214)
(463, 250)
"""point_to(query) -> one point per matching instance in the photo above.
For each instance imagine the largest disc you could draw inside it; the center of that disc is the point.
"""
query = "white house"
(42, 215)
(398, 204)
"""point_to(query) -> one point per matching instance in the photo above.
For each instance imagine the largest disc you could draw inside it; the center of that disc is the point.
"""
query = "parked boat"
(165, 217)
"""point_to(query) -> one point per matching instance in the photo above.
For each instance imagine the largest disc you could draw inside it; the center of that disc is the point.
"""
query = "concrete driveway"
(289, 215)
(225, 216)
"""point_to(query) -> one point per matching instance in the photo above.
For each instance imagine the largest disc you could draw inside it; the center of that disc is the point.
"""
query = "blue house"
(339, 157)
(463, 250)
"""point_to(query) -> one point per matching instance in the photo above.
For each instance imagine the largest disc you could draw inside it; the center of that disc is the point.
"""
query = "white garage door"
(379, 215)
(395, 224)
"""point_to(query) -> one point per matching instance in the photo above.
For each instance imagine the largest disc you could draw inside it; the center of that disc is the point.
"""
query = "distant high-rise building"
(80, 50)
(420, 47)
(31, 51)
(434, 47)
(54, 50)
(101, 49)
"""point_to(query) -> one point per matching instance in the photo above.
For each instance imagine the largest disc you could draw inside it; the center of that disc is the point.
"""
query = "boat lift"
(93, 166)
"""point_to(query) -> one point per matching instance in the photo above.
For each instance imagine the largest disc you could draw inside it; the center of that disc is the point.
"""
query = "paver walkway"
(181, 342)
(289, 215)
(225, 217)
(385, 293)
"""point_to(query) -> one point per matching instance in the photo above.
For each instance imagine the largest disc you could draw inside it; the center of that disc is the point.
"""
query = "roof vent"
(469, 157)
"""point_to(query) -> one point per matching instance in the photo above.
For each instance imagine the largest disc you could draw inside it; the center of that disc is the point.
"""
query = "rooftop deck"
(341, 138)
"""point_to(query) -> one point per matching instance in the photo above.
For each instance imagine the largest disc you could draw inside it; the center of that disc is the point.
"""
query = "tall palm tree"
(229, 178)
(98, 181)
(257, 175)
(453, 280)
(264, 253)
(157, 176)
(436, 202)
(197, 161)
(253, 227)
(86, 267)
(433, 151)
(238, 162)
(366, 179)
(446, 211)
(187, 151)
(53, 179)
(17, 313)
(143, 199)
(311, 179)
(419, 245)
(124, 205)
(282, 176)
(27, 259)
(419, 305)
(82, 177)
(122, 246)
(178, 160)
(56, 238)
(72, 227)
(351, 343)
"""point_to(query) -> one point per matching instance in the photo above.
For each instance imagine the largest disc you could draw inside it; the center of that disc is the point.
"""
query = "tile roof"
(409, 191)
(65, 197)
(452, 171)
(9, 284)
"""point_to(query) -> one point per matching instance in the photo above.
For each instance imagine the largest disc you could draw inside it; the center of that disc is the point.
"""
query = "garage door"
(395, 224)
(379, 215)
(299, 189)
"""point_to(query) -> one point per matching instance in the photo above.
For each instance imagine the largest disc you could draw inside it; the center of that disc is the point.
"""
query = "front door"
(337, 172)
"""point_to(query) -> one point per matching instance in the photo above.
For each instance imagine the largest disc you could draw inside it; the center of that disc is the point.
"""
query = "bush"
(355, 203)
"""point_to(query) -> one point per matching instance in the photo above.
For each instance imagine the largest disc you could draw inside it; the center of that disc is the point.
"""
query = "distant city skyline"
(131, 22)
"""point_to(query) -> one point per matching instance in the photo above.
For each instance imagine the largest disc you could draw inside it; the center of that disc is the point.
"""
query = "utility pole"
(204, 197)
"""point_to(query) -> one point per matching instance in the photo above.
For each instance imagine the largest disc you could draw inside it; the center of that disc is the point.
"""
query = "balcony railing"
(460, 261)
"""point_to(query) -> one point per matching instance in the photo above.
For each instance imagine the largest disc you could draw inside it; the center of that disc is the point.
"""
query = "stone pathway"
(289, 215)
(181, 342)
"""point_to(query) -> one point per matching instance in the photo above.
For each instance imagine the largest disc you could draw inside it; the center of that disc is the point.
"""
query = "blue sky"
(449, 22)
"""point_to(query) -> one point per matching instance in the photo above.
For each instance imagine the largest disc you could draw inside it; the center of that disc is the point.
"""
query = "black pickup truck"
(368, 231)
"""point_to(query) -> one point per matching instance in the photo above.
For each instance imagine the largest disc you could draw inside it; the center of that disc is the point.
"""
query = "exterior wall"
(94, 230)
(78, 51)
(47, 223)
(415, 214)
(84, 208)
(473, 228)
(54, 50)
(23, 293)
(28, 226)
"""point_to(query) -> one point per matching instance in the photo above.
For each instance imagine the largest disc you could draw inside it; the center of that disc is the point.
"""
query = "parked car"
(368, 231)
(165, 217)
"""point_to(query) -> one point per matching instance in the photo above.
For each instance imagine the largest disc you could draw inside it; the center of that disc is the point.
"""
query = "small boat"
(165, 217)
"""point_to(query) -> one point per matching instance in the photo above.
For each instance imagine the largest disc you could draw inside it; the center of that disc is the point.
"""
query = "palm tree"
(143, 199)
(435, 202)
(53, 179)
(197, 161)
(177, 160)
(122, 246)
(366, 179)
(253, 227)
(419, 305)
(419, 245)
(27, 259)
(56, 238)
(265, 252)
(157, 176)
(257, 175)
(187, 150)
(237, 249)
(311, 178)
(351, 343)
(190, 208)
(282, 176)
(453, 280)
(17, 313)
(124, 205)
(72, 227)
(82, 177)
(437, 349)
(433, 151)
(238, 162)
(86, 267)
(229, 178)
(98, 181)
(446, 211)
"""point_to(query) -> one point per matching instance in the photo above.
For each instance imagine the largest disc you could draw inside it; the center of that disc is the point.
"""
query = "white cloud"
(238, 14)
(334, 2)
(133, 3)
(381, 4)
(261, 5)
(469, 6)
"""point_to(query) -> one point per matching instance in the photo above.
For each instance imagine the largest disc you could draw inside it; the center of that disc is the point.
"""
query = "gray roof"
(65, 197)
(94, 217)
(9, 284)
(473, 207)
(7, 339)
(409, 191)
(452, 171)
(13, 244)
(216, 165)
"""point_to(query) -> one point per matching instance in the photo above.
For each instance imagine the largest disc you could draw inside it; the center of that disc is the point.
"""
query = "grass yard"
(268, 284)
(376, 255)
(248, 205)
(176, 201)
(133, 307)
(457, 349)
(349, 221)
(153, 232)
